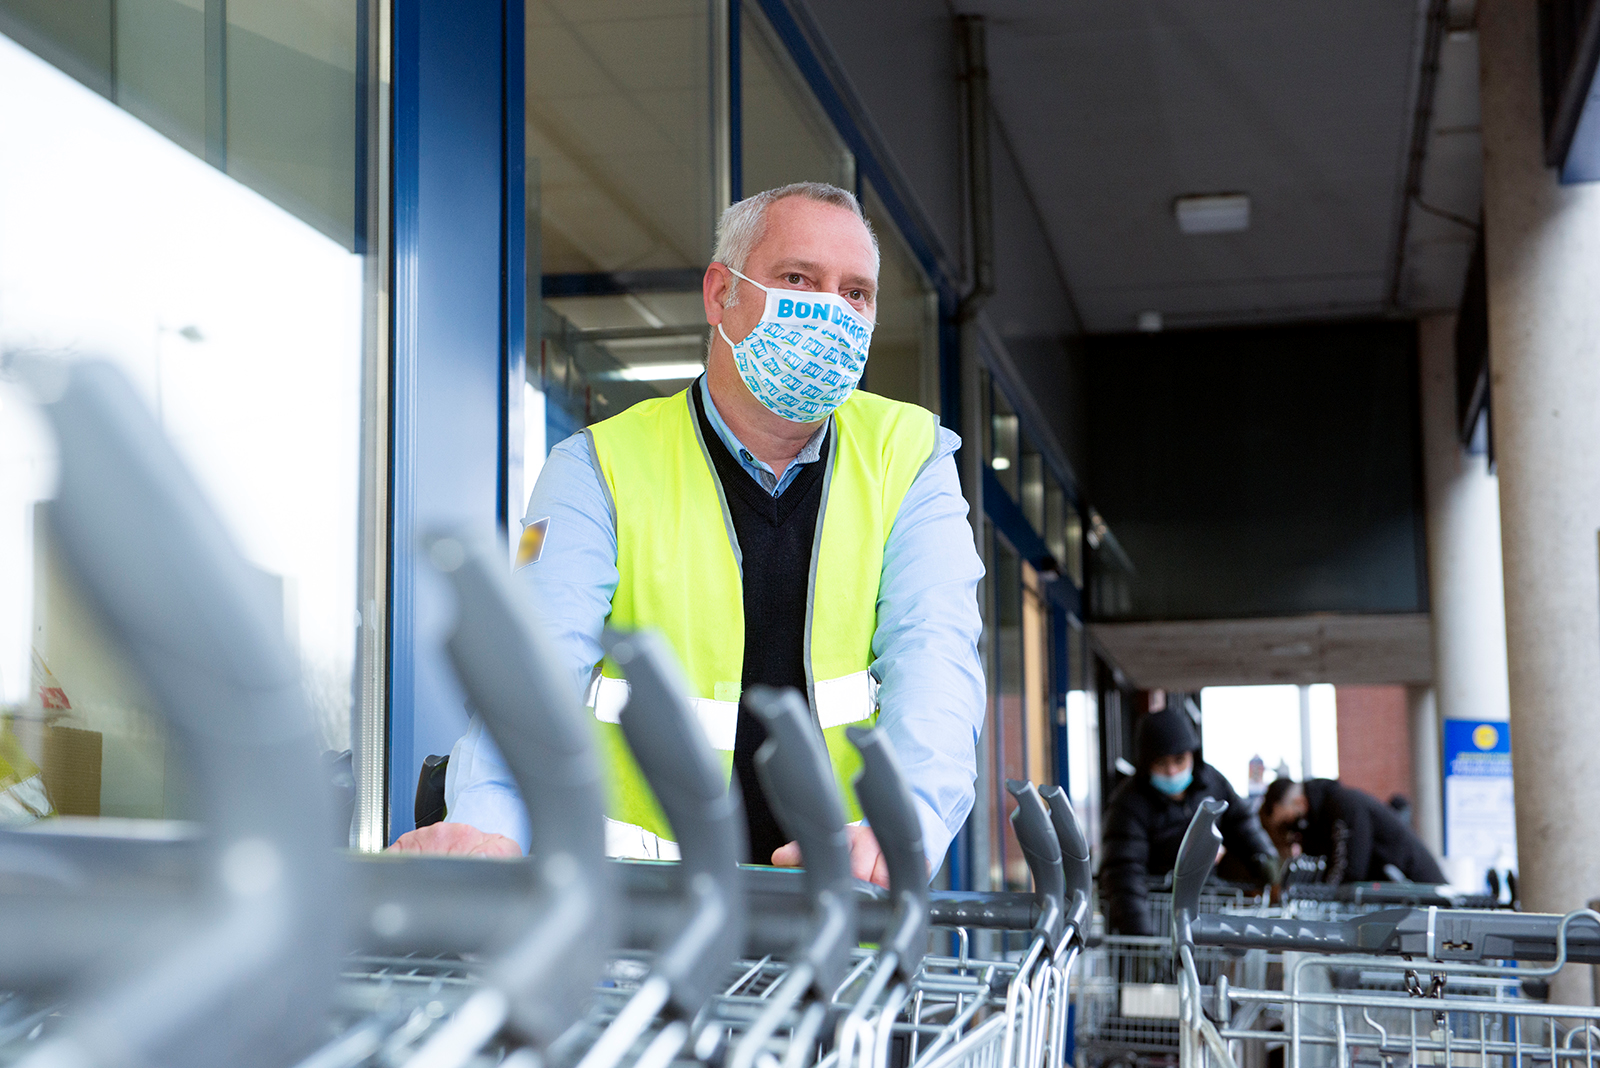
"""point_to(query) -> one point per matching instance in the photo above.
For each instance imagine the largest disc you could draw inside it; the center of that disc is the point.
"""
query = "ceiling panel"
(1114, 110)
(1345, 650)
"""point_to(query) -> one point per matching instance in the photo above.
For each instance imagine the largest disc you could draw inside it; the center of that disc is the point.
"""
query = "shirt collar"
(810, 453)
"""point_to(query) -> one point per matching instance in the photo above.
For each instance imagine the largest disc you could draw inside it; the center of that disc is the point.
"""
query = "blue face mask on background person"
(806, 355)
(1172, 785)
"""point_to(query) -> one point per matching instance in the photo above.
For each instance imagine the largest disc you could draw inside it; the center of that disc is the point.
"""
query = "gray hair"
(744, 224)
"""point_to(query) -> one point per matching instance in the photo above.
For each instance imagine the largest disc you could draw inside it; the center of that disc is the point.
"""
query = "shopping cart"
(245, 940)
(1126, 988)
(1457, 994)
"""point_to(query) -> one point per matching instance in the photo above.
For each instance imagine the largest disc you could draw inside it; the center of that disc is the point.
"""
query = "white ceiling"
(1115, 109)
(1344, 650)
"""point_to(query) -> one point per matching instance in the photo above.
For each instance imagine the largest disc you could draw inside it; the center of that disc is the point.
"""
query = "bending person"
(1360, 837)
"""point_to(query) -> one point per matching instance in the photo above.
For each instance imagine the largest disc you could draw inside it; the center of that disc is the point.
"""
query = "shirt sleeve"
(568, 590)
(931, 695)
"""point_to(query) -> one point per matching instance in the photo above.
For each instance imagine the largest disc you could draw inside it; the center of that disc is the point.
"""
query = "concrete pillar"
(1465, 586)
(1543, 244)
(1427, 788)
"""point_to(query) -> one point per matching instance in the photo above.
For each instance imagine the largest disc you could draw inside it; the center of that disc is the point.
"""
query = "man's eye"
(856, 294)
(793, 279)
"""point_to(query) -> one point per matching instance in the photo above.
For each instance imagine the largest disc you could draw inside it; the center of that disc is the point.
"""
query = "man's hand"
(458, 839)
(866, 859)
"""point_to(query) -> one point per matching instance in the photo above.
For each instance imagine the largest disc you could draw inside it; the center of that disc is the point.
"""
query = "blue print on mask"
(806, 365)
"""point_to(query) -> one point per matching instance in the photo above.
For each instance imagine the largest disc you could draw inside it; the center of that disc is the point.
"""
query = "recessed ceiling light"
(652, 372)
(1212, 213)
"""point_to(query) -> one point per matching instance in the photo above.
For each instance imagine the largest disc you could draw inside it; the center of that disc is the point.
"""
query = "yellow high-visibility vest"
(679, 572)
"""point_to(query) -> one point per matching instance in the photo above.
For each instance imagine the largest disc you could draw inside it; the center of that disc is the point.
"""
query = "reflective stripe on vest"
(678, 564)
(840, 702)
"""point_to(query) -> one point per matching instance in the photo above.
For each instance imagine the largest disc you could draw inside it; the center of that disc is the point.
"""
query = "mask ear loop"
(747, 278)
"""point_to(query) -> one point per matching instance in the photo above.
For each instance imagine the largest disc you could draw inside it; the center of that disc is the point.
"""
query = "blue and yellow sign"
(1479, 808)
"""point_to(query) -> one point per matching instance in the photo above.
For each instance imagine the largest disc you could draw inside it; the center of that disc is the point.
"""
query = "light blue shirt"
(931, 695)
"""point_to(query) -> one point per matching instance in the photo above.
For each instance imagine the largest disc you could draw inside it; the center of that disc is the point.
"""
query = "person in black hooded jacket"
(1149, 812)
(1361, 837)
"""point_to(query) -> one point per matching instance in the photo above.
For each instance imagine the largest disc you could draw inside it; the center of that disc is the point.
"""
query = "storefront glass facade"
(188, 198)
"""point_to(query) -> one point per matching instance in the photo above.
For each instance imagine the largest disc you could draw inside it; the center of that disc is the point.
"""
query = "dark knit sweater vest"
(775, 537)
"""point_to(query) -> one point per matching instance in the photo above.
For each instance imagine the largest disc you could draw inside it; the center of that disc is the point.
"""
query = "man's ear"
(714, 289)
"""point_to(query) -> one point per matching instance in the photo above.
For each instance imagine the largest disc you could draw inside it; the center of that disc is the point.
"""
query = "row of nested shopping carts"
(1372, 977)
(1126, 988)
(245, 937)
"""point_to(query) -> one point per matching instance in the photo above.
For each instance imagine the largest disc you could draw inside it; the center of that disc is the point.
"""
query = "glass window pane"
(619, 120)
(1030, 493)
(1005, 437)
(1055, 503)
(904, 363)
(1072, 540)
(620, 182)
(291, 106)
(241, 327)
(1006, 709)
(786, 136)
(270, 96)
(160, 49)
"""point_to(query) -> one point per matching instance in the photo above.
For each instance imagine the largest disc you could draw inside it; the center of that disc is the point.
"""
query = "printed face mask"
(805, 356)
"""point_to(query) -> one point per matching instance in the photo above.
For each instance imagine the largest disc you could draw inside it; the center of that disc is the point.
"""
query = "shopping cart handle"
(1031, 821)
(1075, 862)
(706, 817)
(1196, 855)
(1458, 935)
(794, 769)
(886, 802)
(515, 680)
(238, 966)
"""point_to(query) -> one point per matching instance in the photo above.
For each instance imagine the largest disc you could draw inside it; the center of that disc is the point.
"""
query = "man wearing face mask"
(780, 527)
(1149, 812)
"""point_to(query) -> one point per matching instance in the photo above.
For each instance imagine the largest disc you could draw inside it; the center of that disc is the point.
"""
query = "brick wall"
(1374, 740)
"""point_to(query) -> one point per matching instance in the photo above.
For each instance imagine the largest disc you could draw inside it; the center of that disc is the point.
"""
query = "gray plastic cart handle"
(887, 804)
(248, 971)
(1075, 862)
(795, 771)
(1196, 854)
(1037, 837)
(1464, 936)
(519, 685)
(706, 816)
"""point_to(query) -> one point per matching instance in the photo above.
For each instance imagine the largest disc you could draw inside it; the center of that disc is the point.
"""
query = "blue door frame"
(457, 331)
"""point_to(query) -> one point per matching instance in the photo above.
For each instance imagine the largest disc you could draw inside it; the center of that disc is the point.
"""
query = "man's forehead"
(816, 235)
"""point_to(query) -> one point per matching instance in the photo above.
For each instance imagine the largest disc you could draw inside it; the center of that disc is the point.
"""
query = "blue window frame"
(457, 332)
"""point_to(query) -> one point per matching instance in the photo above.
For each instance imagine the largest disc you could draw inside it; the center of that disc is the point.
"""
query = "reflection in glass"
(1005, 709)
(1072, 541)
(271, 96)
(904, 364)
(241, 326)
(786, 136)
(618, 115)
(1030, 488)
(1083, 735)
(619, 172)
(290, 129)
(1005, 438)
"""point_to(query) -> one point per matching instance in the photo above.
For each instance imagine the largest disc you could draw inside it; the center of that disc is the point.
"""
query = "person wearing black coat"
(1149, 812)
(1361, 837)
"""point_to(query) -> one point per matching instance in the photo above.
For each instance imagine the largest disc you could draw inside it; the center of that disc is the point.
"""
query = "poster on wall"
(1480, 825)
